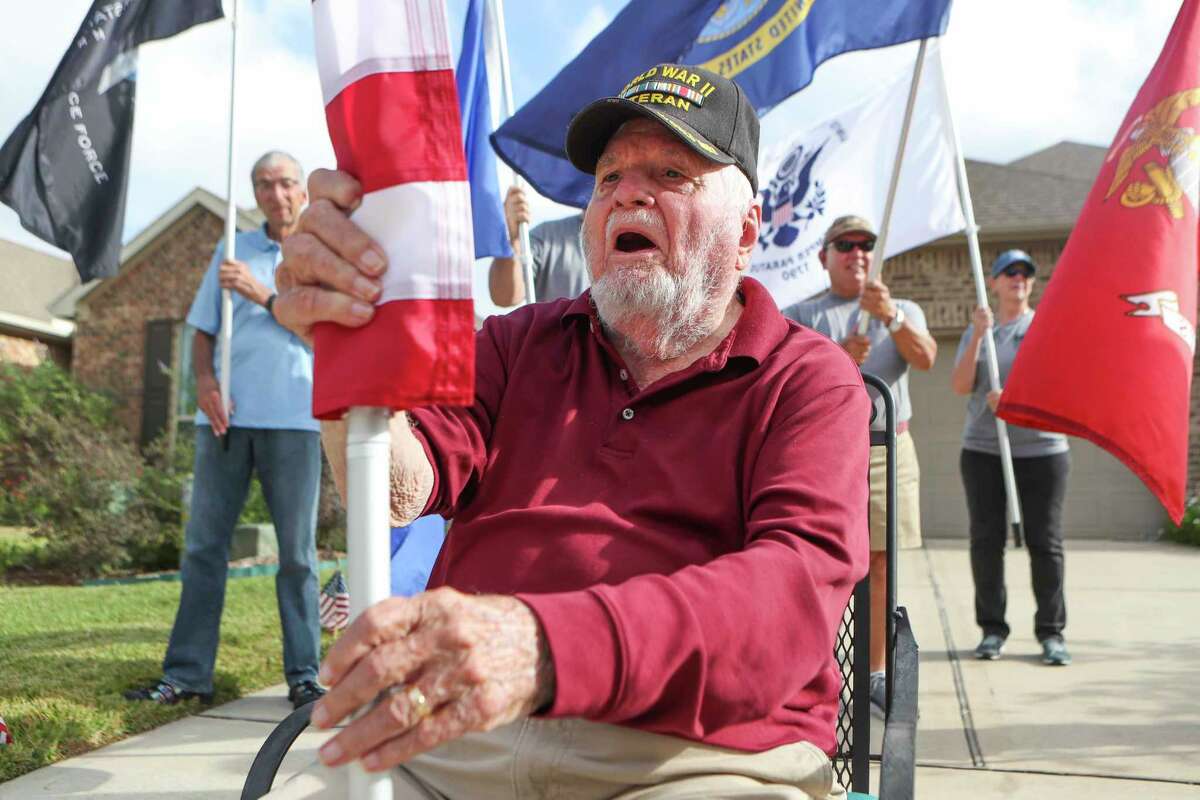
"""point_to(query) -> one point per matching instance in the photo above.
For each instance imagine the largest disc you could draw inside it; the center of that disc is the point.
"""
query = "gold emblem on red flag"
(1177, 174)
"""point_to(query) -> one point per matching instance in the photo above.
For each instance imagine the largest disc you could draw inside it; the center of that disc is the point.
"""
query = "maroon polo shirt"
(688, 546)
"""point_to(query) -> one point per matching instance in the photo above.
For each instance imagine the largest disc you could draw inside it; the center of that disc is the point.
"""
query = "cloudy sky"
(1023, 74)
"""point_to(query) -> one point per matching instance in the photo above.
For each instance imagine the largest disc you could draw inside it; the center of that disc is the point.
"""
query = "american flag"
(392, 110)
(335, 603)
(5, 736)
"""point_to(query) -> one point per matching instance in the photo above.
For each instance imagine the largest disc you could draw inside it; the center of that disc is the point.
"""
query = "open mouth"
(633, 243)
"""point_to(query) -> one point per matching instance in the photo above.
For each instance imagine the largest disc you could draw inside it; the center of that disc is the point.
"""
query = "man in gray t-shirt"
(896, 339)
(559, 268)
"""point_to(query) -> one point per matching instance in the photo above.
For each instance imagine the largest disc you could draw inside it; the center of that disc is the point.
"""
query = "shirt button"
(624, 375)
(627, 414)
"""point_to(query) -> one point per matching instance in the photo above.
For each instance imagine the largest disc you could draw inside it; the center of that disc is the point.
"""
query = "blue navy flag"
(475, 107)
(65, 167)
(770, 47)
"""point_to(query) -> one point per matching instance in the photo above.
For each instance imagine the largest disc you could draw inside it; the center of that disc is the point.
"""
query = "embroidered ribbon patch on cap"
(659, 91)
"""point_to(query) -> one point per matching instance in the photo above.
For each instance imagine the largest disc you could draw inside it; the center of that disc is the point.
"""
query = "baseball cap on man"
(849, 224)
(1010, 257)
(708, 113)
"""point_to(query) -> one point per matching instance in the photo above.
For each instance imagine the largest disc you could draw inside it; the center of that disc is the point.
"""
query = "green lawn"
(67, 653)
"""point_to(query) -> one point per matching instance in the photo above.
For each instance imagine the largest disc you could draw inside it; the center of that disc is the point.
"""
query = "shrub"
(32, 401)
(76, 476)
(97, 505)
(1188, 529)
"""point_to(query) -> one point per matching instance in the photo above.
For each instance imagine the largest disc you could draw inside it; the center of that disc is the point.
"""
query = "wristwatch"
(270, 305)
(897, 321)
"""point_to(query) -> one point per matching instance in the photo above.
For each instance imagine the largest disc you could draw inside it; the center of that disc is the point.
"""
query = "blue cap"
(1010, 257)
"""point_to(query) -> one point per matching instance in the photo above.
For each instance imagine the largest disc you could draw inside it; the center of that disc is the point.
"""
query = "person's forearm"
(962, 380)
(411, 476)
(203, 347)
(506, 282)
(915, 346)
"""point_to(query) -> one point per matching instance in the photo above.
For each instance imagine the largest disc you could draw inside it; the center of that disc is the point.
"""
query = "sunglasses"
(844, 246)
(1014, 270)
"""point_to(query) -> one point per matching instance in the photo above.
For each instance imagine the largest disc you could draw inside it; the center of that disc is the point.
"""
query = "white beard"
(663, 311)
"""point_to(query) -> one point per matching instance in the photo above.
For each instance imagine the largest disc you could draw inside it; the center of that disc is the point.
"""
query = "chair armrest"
(262, 772)
(896, 780)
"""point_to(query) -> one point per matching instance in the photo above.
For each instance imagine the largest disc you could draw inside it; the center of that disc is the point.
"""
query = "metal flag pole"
(497, 8)
(964, 194)
(226, 333)
(881, 241)
(368, 445)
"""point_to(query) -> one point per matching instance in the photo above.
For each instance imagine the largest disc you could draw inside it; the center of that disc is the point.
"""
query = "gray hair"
(270, 157)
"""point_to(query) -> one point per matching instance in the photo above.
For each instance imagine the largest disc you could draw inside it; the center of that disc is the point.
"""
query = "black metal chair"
(852, 760)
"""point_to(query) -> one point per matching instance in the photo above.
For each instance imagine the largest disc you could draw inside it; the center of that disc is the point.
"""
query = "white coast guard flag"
(843, 166)
(392, 111)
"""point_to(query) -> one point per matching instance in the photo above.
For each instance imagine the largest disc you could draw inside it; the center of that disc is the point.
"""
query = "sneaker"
(1054, 652)
(990, 647)
(165, 694)
(305, 692)
(878, 694)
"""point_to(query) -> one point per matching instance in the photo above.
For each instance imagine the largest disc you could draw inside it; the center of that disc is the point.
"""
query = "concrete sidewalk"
(1122, 722)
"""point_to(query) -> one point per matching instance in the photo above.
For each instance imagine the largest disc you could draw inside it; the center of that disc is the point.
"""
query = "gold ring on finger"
(418, 701)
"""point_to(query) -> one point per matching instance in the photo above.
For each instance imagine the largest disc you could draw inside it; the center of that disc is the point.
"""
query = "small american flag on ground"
(335, 603)
(5, 736)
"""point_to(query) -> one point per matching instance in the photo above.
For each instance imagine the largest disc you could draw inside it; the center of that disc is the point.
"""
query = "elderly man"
(896, 340)
(269, 430)
(659, 498)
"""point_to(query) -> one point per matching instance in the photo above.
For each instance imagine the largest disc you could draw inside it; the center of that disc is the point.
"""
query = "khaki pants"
(908, 495)
(577, 759)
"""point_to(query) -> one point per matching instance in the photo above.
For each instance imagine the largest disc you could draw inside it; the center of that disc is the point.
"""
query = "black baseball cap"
(708, 113)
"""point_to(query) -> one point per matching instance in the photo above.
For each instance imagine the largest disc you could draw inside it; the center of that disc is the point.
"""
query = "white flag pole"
(881, 241)
(964, 193)
(226, 333)
(497, 9)
(368, 445)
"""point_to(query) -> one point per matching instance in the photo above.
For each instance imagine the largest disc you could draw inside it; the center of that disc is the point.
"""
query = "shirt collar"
(259, 239)
(757, 332)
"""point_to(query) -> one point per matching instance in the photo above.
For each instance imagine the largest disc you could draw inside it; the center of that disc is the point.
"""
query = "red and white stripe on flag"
(392, 112)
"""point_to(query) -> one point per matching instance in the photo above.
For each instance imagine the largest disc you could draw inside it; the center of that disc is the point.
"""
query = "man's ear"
(751, 222)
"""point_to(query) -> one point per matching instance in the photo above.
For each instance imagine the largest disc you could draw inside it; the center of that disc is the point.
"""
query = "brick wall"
(110, 334)
(939, 279)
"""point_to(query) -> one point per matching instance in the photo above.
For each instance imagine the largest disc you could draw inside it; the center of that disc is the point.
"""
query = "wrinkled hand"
(331, 269)
(859, 347)
(480, 661)
(993, 399)
(516, 211)
(208, 398)
(982, 320)
(876, 300)
(236, 275)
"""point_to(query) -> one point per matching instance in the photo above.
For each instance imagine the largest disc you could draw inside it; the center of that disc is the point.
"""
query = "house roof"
(1041, 193)
(1067, 159)
(1008, 199)
(32, 281)
(247, 219)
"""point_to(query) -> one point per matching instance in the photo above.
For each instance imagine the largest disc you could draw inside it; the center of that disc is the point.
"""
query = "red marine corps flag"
(392, 111)
(1109, 354)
